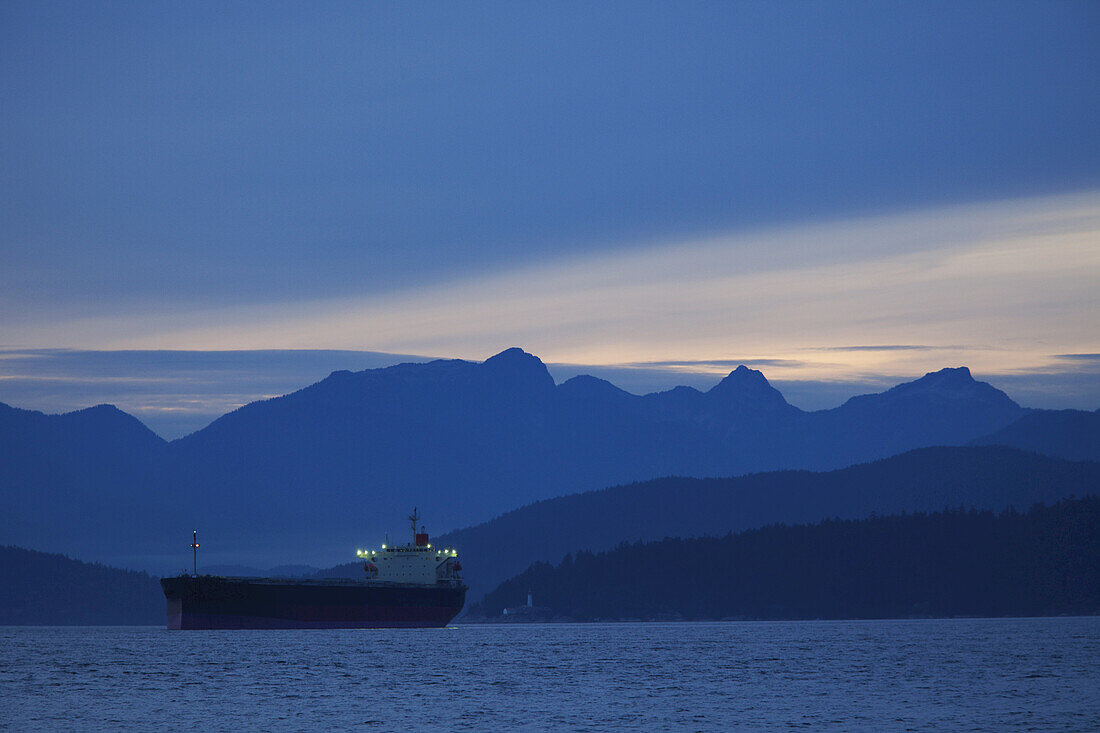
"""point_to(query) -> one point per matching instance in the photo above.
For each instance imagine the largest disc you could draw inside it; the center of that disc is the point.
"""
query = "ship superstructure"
(417, 563)
(413, 585)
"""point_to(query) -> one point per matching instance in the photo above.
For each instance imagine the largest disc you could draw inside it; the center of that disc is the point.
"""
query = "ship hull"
(208, 602)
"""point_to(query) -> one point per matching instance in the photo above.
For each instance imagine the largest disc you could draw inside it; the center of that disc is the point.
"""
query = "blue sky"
(603, 184)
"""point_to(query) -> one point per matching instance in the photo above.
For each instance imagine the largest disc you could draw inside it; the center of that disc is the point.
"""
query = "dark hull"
(208, 602)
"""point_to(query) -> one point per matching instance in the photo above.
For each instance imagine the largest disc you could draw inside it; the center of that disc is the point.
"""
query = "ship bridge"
(418, 563)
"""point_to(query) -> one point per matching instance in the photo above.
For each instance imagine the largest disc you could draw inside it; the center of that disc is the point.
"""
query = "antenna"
(414, 518)
(195, 551)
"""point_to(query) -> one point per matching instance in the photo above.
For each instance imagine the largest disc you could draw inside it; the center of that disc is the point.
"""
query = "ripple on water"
(1005, 674)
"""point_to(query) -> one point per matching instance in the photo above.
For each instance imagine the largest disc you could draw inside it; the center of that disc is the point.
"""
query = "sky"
(208, 203)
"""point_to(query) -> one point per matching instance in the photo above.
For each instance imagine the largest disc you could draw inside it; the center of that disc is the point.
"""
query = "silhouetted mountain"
(98, 435)
(947, 407)
(747, 390)
(65, 478)
(42, 589)
(922, 480)
(1072, 434)
(1043, 562)
(311, 475)
(344, 458)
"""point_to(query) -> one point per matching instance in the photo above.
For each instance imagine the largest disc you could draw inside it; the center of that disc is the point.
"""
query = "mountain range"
(922, 480)
(307, 477)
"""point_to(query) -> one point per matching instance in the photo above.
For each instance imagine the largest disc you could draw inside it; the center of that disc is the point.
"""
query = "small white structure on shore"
(517, 610)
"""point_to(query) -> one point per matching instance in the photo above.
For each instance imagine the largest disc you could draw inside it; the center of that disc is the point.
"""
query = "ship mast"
(195, 551)
(414, 518)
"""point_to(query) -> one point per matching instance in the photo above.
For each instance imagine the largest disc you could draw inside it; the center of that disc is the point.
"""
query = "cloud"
(996, 286)
(884, 347)
(719, 364)
(173, 392)
(1079, 357)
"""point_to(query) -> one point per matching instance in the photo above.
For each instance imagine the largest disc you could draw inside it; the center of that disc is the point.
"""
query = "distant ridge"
(928, 479)
(957, 562)
(1072, 434)
(47, 589)
(307, 477)
(114, 430)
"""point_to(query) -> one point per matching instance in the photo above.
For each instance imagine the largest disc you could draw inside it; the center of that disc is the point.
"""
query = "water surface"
(970, 674)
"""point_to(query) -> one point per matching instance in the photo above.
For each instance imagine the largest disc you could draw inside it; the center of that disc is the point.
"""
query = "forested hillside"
(929, 479)
(960, 562)
(45, 589)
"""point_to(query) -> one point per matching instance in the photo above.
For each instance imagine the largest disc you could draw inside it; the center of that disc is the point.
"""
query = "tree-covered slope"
(45, 589)
(928, 479)
(958, 562)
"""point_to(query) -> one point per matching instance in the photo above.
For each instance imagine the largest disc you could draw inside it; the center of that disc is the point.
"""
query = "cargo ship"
(406, 586)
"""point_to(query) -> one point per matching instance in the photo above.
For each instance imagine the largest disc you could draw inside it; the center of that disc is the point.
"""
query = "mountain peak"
(745, 386)
(585, 386)
(102, 408)
(948, 376)
(952, 383)
(512, 355)
(743, 375)
(516, 365)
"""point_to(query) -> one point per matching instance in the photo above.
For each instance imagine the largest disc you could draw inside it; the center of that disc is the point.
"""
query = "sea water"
(962, 674)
